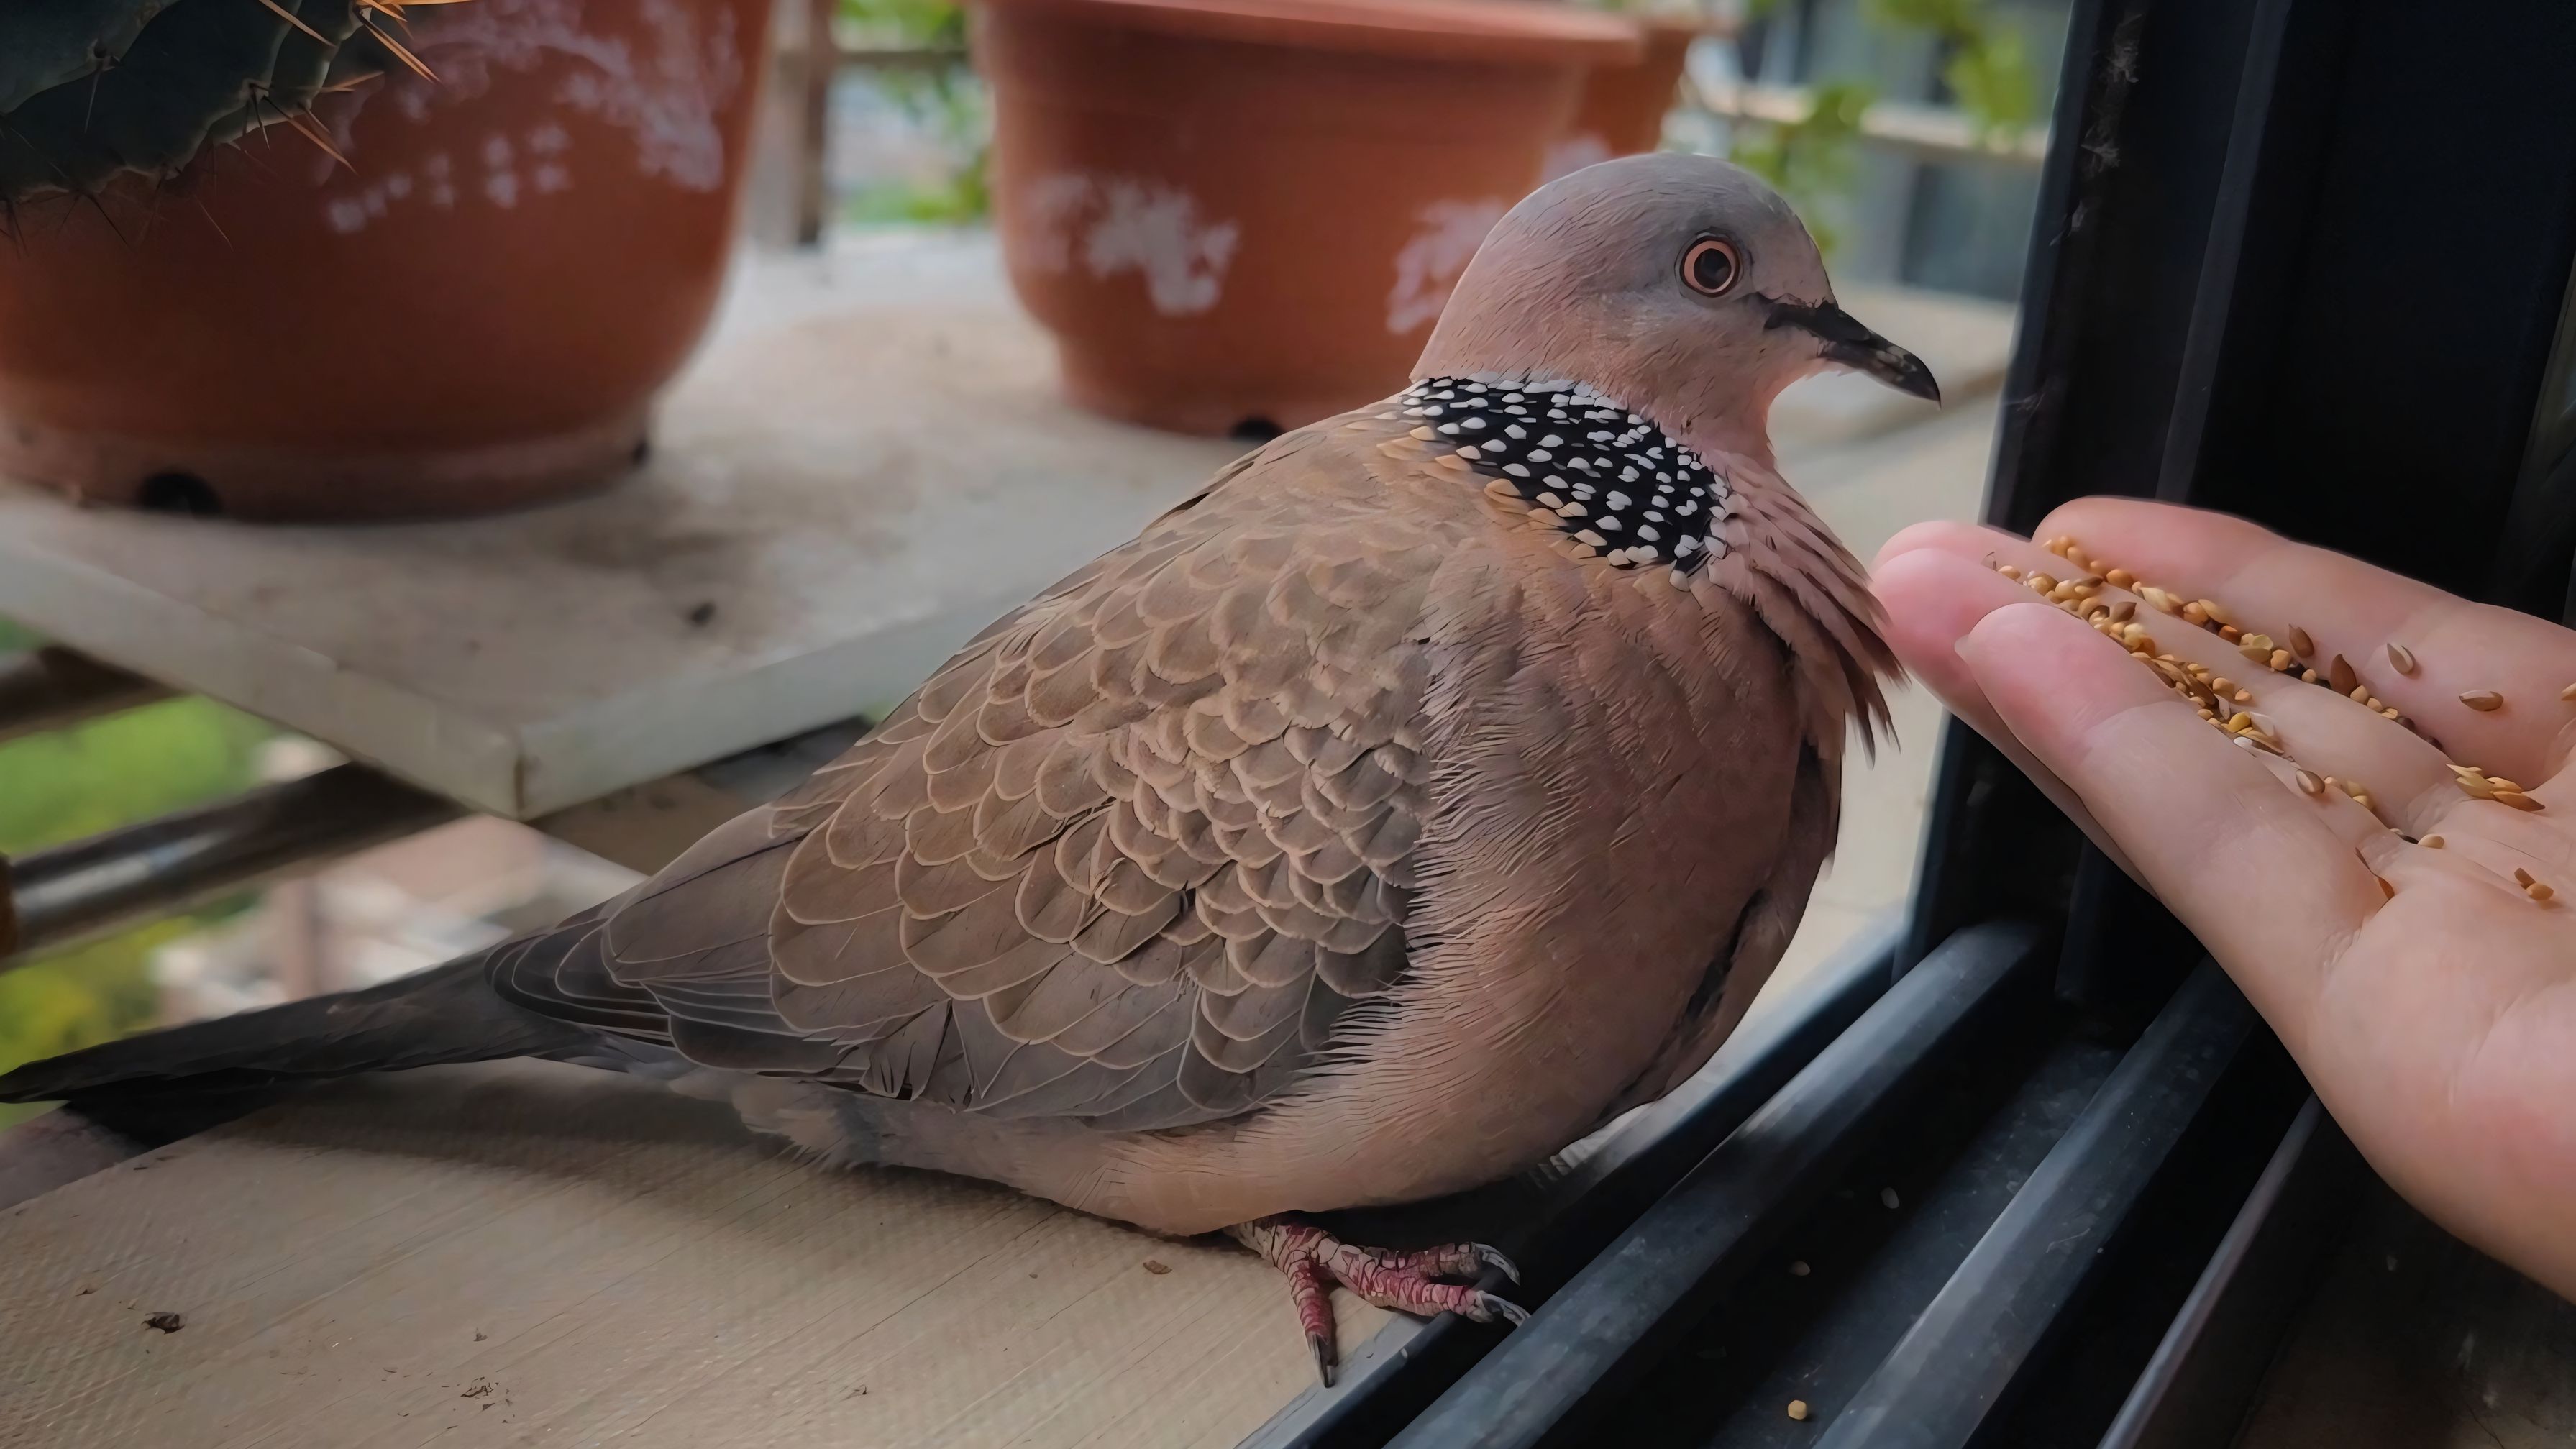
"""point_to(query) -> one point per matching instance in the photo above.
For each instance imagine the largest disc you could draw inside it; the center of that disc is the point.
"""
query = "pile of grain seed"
(2295, 656)
(2220, 700)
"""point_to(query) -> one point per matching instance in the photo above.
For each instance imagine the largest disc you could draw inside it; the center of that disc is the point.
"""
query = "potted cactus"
(470, 244)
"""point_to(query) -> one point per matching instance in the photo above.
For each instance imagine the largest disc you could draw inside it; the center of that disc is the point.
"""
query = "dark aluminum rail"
(48, 688)
(1965, 1353)
(1585, 1343)
(1610, 1182)
(72, 892)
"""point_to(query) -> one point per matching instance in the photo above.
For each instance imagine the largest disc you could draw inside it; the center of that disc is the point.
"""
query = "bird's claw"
(1321, 1346)
(1407, 1282)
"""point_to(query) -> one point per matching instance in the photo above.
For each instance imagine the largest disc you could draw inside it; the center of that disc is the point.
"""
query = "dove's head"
(1681, 286)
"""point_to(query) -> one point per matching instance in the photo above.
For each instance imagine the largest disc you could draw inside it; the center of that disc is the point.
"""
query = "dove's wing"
(1128, 857)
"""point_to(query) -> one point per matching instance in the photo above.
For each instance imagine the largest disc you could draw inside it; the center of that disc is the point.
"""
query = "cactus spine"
(94, 89)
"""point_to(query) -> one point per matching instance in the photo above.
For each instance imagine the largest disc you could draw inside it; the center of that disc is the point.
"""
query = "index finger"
(2452, 647)
(2260, 873)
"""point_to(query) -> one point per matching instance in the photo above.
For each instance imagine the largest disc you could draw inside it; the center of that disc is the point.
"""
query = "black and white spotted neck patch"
(1614, 481)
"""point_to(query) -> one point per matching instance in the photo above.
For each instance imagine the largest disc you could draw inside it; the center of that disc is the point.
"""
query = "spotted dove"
(1435, 783)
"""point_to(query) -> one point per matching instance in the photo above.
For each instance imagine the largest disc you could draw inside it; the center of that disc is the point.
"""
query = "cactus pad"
(94, 89)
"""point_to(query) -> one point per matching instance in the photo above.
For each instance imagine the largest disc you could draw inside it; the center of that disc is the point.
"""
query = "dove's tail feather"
(446, 1014)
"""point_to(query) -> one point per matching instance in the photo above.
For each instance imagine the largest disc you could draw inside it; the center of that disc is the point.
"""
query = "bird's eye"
(1710, 266)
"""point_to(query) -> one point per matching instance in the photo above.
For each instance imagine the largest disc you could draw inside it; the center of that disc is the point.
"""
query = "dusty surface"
(532, 1254)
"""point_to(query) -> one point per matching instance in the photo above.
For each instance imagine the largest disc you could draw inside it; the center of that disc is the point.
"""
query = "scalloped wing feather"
(1126, 858)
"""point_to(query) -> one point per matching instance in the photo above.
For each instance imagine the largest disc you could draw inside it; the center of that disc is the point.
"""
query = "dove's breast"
(1608, 768)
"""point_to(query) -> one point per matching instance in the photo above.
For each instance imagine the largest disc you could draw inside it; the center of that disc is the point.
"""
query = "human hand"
(2426, 990)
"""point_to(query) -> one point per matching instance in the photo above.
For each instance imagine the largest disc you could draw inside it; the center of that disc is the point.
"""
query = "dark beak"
(1849, 344)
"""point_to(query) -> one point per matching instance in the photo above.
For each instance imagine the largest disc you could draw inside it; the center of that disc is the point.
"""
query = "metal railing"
(74, 892)
(86, 888)
(160, 867)
(46, 689)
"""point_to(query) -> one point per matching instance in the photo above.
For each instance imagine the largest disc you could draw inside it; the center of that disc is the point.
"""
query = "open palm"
(2414, 947)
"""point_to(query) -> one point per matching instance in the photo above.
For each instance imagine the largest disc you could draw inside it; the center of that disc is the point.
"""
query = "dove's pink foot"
(1314, 1260)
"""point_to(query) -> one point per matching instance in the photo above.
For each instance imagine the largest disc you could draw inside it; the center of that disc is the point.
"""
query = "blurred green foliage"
(1984, 63)
(954, 107)
(1811, 158)
(948, 101)
(70, 783)
(1985, 68)
(934, 23)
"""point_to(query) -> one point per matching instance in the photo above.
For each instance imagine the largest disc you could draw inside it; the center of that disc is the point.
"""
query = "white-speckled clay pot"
(1248, 213)
(473, 313)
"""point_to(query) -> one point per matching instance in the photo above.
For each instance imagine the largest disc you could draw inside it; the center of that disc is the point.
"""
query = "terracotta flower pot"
(1249, 212)
(473, 312)
(1623, 107)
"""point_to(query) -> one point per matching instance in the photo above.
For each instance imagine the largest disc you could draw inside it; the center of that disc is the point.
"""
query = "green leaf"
(81, 997)
(949, 103)
(1993, 82)
(108, 772)
(906, 23)
(1812, 158)
(97, 776)
(1986, 63)
(1944, 19)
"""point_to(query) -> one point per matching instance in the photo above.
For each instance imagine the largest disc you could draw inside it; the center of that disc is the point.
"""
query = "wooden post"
(818, 63)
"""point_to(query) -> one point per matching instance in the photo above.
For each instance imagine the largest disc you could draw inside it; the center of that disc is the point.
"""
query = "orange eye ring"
(1711, 267)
